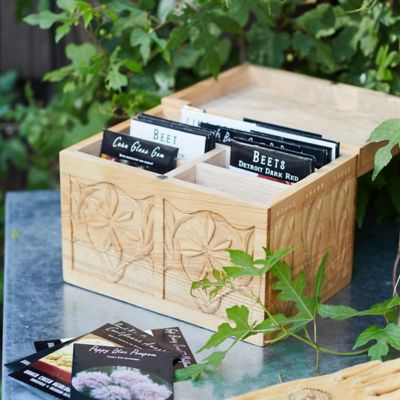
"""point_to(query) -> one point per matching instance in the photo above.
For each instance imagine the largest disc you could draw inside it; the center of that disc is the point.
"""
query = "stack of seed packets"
(270, 151)
(114, 362)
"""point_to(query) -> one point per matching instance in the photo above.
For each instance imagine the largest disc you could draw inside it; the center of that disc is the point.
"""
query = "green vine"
(374, 340)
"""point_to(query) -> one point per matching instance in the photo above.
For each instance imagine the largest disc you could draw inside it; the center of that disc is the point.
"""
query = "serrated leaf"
(240, 258)
(384, 337)
(293, 289)
(237, 314)
(340, 312)
(114, 79)
(44, 19)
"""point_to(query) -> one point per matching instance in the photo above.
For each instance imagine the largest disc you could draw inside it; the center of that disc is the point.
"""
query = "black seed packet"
(50, 370)
(155, 157)
(115, 373)
(269, 163)
(174, 337)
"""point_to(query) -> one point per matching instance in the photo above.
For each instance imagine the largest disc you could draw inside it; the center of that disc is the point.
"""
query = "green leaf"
(114, 79)
(209, 364)
(80, 53)
(141, 38)
(336, 312)
(44, 19)
(132, 65)
(237, 314)
(383, 338)
(62, 31)
(177, 36)
(319, 282)
(388, 130)
(68, 5)
(240, 11)
(340, 312)
(190, 372)
(240, 258)
(293, 289)
(320, 21)
(302, 43)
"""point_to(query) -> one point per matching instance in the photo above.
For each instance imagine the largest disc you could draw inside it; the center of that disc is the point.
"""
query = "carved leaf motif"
(311, 235)
(341, 221)
(118, 227)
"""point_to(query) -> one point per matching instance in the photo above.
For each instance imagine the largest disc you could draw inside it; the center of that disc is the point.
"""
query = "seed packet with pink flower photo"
(116, 373)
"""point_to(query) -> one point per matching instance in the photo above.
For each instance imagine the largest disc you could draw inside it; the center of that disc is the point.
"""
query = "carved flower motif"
(204, 247)
(200, 243)
(117, 226)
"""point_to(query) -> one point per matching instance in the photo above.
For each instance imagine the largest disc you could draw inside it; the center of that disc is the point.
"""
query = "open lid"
(337, 111)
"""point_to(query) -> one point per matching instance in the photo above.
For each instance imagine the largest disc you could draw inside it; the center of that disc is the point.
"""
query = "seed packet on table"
(104, 373)
(137, 152)
(52, 373)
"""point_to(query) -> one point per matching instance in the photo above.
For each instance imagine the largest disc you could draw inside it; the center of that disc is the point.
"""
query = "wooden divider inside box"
(143, 238)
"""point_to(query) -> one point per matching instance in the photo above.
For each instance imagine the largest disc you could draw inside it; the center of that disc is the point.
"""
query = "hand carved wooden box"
(143, 238)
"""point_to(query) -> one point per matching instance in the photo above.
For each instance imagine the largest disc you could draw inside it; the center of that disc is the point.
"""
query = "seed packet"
(174, 337)
(278, 165)
(111, 373)
(51, 373)
(191, 143)
(138, 152)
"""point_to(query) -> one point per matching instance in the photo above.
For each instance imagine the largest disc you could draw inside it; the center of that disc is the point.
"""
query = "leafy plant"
(375, 340)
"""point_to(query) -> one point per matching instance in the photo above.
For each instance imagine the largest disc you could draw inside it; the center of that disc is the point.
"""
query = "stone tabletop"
(38, 305)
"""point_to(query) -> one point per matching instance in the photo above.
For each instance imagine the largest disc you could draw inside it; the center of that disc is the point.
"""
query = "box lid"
(338, 111)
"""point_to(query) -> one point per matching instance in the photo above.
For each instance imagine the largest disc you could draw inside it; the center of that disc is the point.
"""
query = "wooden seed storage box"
(143, 238)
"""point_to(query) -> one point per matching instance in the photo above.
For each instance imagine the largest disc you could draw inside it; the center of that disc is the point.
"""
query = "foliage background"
(134, 52)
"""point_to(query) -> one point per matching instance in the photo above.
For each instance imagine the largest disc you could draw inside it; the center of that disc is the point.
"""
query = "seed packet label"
(53, 371)
(190, 145)
(174, 337)
(137, 152)
(269, 163)
(105, 373)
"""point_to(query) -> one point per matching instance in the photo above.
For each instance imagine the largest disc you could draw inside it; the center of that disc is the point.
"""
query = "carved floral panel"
(117, 227)
(194, 243)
